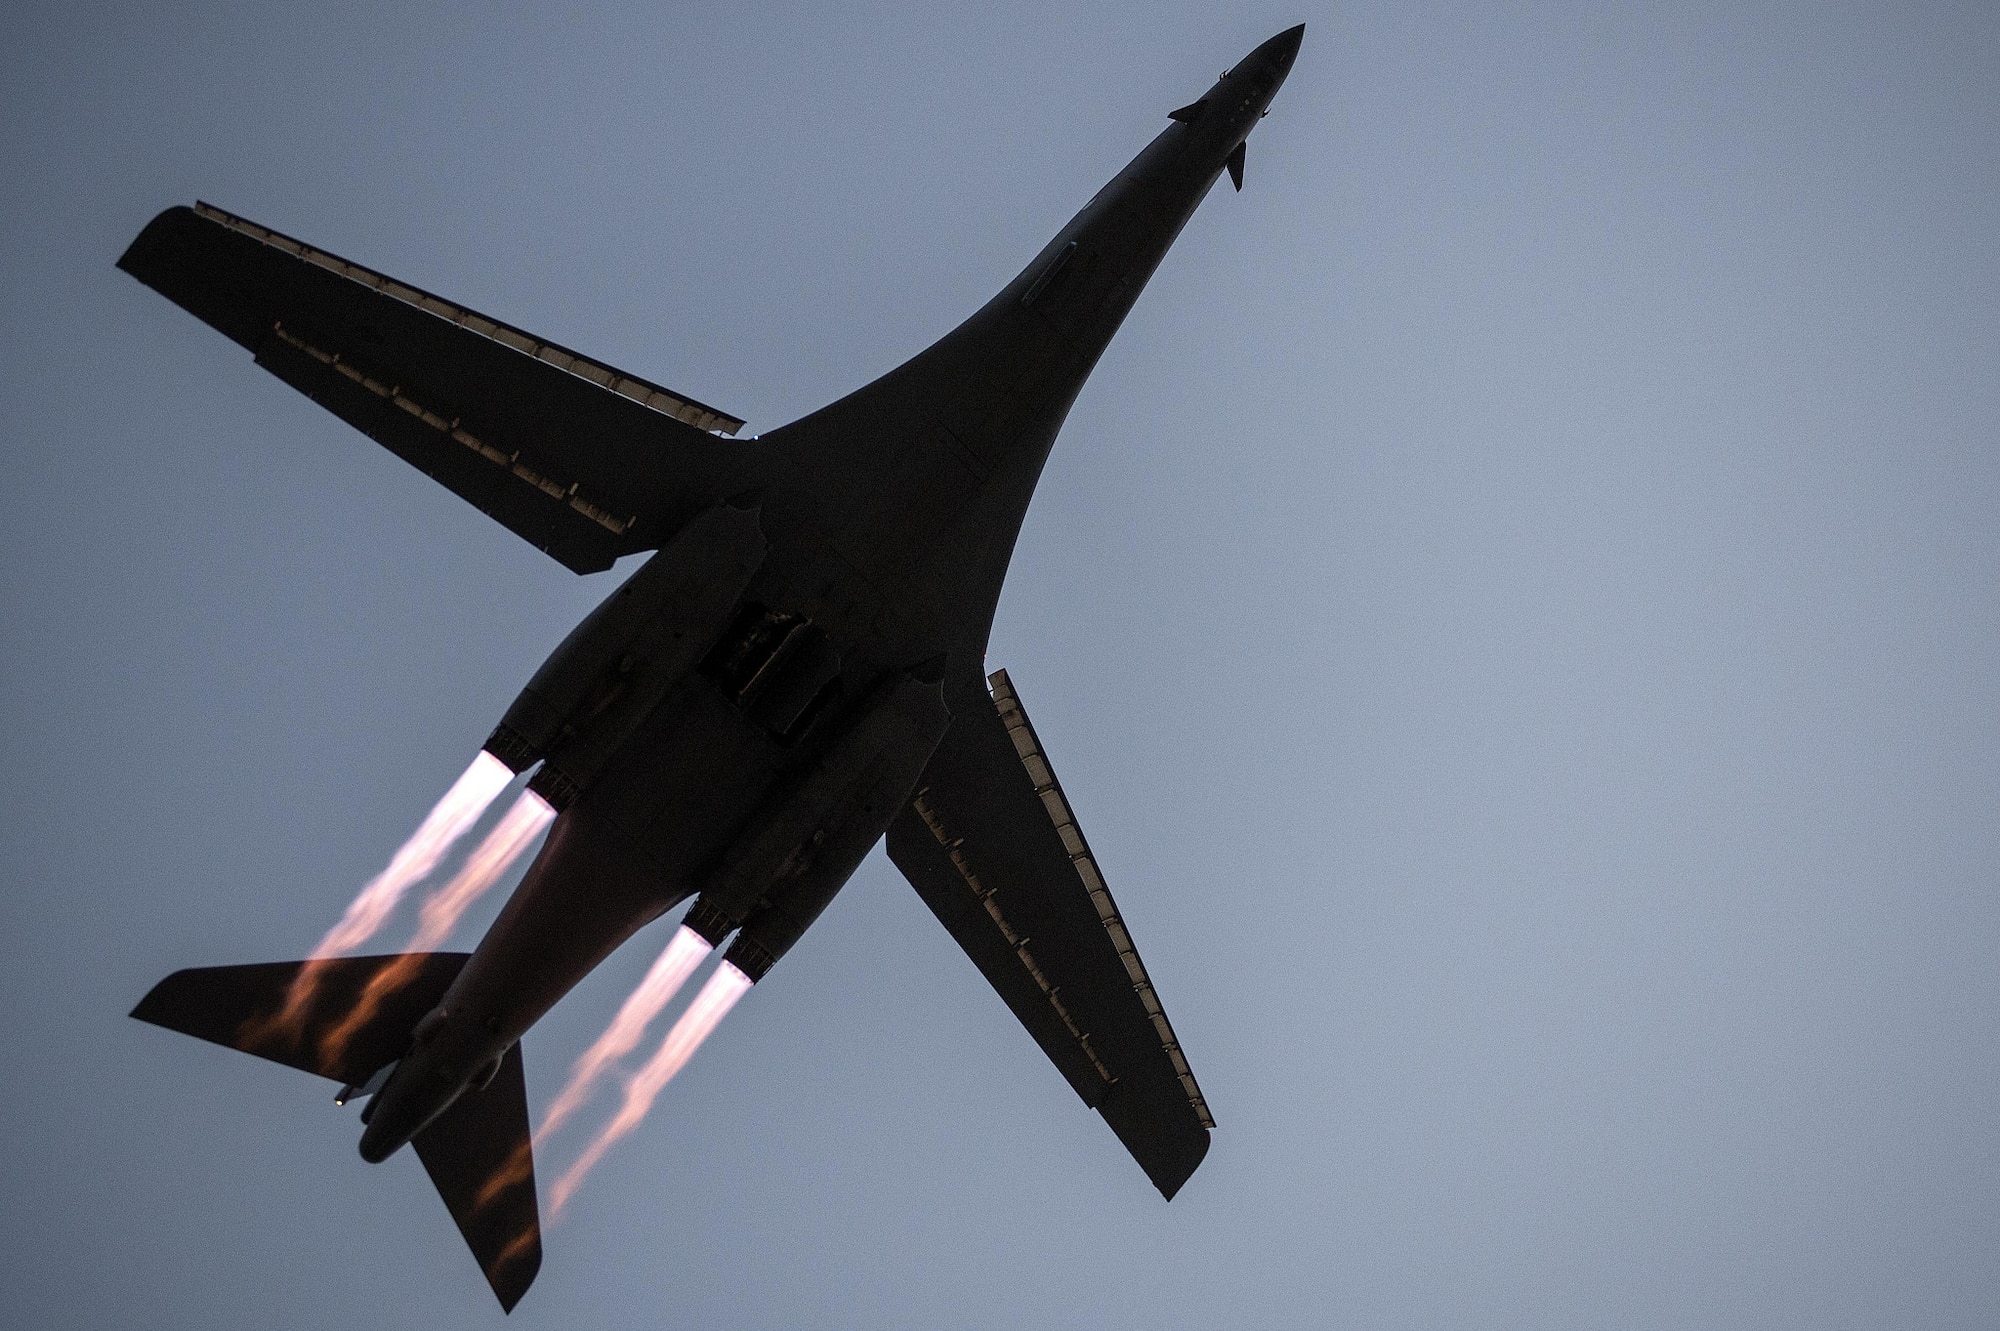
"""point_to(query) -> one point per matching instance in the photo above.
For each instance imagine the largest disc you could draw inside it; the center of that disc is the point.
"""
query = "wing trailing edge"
(586, 462)
(991, 845)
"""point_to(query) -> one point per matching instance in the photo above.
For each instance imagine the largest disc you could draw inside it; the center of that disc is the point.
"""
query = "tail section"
(349, 1018)
(480, 1157)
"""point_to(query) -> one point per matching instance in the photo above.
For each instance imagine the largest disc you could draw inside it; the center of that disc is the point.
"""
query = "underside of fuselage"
(636, 843)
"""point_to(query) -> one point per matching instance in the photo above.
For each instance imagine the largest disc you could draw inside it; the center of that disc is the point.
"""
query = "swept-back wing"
(990, 844)
(587, 462)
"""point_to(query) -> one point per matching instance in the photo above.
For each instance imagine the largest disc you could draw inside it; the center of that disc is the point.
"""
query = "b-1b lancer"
(796, 672)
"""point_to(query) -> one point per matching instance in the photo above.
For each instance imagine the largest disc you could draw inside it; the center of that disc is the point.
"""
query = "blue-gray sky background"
(1515, 611)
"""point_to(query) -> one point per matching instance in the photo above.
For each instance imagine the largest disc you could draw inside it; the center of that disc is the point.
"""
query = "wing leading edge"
(586, 462)
(990, 844)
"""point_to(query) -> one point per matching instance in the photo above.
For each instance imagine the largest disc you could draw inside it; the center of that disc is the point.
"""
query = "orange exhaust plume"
(703, 1015)
(514, 833)
(669, 972)
(440, 830)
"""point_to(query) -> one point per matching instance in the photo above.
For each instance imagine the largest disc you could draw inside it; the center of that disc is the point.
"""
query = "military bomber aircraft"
(797, 671)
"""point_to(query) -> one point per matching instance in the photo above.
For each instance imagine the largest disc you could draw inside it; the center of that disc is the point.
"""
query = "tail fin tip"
(480, 1156)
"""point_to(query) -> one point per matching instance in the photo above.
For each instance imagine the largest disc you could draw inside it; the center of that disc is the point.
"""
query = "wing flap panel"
(476, 472)
(585, 461)
(1022, 732)
(933, 858)
(990, 844)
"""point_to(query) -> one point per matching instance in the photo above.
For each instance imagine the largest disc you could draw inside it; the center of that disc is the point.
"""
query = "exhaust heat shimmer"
(703, 1015)
(669, 971)
(440, 830)
(448, 820)
(529, 817)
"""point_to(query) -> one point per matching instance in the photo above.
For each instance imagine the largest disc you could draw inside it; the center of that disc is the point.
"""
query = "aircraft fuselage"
(892, 545)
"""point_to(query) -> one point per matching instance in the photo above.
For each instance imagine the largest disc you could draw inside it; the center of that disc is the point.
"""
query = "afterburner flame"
(710, 1006)
(514, 833)
(451, 819)
(669, 972)
(447, 821)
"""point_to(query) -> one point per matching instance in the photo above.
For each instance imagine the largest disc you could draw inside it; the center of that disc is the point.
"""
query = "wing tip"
(152, 240)
(153, 1008)
(1169, 1176)
(1164, 1139)
(511, 1276)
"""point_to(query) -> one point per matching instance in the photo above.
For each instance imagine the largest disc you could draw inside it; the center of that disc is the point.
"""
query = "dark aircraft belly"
(687, 780)
(634, 845)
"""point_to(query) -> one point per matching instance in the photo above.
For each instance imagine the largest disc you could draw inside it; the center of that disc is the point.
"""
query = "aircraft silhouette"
(795, 673)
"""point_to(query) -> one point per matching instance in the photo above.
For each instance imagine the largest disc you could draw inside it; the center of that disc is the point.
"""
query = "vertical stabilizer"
(479, 1155)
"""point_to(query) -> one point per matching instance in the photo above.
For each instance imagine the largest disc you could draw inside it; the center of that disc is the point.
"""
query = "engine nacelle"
(616, 666)
(803, 846)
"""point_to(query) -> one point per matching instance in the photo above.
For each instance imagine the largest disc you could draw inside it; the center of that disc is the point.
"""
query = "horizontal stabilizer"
(1235, 165)
(991, 846)
(480, 1156)
(246, 1008)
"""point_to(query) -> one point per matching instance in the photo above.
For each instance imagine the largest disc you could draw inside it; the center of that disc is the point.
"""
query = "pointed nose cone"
(1278, 53)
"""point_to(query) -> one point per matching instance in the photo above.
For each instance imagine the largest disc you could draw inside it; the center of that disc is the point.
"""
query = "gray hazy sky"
(1515, 611)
